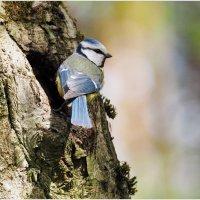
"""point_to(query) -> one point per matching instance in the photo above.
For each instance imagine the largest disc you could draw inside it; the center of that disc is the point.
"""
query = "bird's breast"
(59, 87)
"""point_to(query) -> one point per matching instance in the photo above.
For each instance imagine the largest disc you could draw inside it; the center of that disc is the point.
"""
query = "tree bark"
(42, 154)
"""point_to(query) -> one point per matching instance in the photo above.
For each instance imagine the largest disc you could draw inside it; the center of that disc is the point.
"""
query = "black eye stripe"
(96, 50)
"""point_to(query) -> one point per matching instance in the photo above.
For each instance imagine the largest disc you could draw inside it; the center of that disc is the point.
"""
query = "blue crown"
(92, 41)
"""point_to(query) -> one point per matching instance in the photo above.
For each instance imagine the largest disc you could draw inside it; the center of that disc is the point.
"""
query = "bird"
(80, 76)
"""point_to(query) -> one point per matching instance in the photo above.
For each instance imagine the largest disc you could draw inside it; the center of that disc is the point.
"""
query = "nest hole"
(45, 73)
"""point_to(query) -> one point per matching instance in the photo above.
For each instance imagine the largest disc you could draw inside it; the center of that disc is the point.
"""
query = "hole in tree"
(45, 73)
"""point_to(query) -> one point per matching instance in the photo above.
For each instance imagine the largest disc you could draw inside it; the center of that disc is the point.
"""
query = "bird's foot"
(60, 108)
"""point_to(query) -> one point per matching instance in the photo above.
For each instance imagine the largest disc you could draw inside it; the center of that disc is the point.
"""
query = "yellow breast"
(59, 87)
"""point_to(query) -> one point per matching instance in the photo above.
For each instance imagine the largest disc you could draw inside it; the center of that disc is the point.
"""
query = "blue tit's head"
(93, 50)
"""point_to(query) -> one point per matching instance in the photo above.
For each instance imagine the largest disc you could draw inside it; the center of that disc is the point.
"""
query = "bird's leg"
(60, 108)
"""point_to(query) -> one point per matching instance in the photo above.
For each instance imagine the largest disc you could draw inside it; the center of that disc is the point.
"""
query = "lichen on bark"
(40, 149)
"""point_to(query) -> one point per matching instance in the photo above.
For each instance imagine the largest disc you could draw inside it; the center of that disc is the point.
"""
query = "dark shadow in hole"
(45, 73)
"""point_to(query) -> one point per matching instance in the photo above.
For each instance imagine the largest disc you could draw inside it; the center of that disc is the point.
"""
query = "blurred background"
(153, 79)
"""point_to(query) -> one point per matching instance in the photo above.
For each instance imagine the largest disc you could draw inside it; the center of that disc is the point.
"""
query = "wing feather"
(76, 83)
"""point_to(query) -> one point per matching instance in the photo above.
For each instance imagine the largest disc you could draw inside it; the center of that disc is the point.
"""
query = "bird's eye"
(98, 51)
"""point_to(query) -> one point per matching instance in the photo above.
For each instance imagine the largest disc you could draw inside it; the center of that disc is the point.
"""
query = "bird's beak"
(108, 55)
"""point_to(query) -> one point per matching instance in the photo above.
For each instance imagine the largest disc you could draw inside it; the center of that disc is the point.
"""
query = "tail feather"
(80, 114)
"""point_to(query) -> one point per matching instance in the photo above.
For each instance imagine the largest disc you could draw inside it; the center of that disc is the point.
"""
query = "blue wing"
(76, 83)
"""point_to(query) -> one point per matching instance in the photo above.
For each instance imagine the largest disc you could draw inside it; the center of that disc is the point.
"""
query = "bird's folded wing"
(76, 83)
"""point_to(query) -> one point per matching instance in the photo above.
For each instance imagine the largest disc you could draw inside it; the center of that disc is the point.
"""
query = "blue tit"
(81, 75)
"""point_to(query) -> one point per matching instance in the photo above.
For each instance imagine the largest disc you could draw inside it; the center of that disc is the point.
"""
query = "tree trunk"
(42, 154)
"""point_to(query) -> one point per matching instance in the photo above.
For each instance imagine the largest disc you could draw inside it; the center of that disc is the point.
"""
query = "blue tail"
(80, 114)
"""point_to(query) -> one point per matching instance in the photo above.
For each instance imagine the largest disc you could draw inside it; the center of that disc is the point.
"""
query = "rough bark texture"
(42, 155)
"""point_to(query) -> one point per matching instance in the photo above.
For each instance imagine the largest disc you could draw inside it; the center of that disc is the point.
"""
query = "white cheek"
(89, 53)
(99, 59)
(94, 57)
